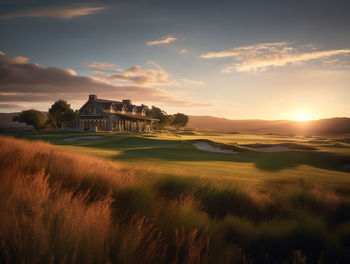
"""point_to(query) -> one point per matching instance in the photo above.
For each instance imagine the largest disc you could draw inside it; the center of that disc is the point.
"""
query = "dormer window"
(134, 111)
(143, 112)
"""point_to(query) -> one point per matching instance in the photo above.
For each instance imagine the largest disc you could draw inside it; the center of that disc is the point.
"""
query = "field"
(172, 152)
(155, 198)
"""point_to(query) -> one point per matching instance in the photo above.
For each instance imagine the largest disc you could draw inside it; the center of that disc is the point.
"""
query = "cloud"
(278, 60)
(12, 106)
(71, 72)
(22, 81)
(61, 12)
(191, 82)
(245, 51)
(182, 51)
(263, 55)
(164, 40)
(228, 69)
(138, 76)
(99, 66)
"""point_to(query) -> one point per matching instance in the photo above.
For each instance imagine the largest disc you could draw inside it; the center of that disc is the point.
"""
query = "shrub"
(135, 199)
(219, 202)
(174, 186)
(184, 212)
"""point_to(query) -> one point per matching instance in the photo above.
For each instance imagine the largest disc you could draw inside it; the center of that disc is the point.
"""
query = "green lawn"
(172, 153)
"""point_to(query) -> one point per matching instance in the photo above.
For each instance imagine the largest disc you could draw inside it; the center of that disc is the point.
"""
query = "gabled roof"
(104, 104)
(130, 107)
(119, 107)
(140, 108)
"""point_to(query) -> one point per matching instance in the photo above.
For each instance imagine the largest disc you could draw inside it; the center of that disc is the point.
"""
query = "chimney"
(127, 101)
(93, 97)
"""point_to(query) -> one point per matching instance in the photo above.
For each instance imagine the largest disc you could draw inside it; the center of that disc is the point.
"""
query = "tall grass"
(62, 207)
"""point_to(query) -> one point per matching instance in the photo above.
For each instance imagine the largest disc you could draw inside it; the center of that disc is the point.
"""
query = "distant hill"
(330, 126)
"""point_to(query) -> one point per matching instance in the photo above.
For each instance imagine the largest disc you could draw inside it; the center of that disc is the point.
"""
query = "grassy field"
(172, 152)
(155, 198)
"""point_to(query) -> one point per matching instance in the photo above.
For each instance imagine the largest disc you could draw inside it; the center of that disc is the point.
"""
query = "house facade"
(107, 115)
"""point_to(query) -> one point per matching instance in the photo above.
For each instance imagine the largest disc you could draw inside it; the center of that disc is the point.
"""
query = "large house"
(107, 115)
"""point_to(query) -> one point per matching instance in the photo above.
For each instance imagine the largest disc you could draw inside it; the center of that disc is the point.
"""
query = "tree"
(31, 117)
(155, 112)
(179, 120)
(59, 113)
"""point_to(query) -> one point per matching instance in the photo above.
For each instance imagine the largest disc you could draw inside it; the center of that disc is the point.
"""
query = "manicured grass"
(173, 152)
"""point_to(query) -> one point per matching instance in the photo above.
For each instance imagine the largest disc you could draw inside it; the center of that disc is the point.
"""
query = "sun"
(302, 115)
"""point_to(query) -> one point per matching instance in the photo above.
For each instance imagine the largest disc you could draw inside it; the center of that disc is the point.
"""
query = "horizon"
(220, 117)
(265, 60)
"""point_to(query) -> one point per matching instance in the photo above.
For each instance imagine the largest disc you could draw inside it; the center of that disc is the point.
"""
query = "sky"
(235, 59)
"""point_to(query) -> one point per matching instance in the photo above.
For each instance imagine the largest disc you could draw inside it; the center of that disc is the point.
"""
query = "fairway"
(322, 160)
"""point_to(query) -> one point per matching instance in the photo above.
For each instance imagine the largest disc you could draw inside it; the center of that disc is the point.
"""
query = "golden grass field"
(155, 198)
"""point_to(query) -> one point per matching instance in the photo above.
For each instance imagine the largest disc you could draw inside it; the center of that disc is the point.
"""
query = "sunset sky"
(234, 59)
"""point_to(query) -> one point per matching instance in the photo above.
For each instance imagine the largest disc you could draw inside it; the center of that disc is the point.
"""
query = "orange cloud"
(143, 77)
(22, 81)
(165, 40)
(278, 60)
(244, 51)
(137, 75)
(191, 82)
(65, 12)
(99, 66)
(264, 55)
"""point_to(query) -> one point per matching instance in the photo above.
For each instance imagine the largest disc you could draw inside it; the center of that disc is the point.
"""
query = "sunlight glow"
(302, 115)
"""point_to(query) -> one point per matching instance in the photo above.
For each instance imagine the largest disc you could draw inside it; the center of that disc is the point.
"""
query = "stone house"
(107, 115)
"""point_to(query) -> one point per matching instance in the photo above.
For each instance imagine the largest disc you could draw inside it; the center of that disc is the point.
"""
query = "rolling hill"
(331, 126)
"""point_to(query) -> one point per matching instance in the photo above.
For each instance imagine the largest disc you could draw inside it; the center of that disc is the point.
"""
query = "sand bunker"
(79, 138)
(272, 149)
(207, 147)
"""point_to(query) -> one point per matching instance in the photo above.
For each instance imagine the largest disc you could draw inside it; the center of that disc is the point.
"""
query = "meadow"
(155, 198)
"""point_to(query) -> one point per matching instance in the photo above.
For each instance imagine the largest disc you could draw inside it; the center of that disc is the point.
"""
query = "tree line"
(61, 112)
(177, 120)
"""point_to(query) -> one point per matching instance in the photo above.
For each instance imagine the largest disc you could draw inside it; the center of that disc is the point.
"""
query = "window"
(90, 110)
